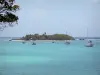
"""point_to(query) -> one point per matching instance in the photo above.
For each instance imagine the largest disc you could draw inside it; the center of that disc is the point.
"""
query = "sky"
(73, 17)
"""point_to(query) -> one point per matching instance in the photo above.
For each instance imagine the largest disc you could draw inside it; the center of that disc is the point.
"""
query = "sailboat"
(67, 41)
(89, 44)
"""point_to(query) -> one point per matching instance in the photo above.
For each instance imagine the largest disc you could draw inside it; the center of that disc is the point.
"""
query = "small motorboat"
(23, 42)
(10, 40)
(53, 42)
(67, 42)
(33, 43)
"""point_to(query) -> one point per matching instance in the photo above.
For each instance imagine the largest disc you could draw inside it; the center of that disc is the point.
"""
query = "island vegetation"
(47, 37)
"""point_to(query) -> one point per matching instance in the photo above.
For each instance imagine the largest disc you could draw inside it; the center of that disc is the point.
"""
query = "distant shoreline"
(38, 40)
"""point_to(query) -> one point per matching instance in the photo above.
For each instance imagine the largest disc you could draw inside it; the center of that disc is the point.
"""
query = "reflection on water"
(49, 58)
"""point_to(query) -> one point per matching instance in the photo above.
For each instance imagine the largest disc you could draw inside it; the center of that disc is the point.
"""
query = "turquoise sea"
(47, 58)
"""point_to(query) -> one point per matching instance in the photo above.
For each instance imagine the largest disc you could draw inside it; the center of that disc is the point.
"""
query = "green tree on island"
(7, 13)
(47, 37)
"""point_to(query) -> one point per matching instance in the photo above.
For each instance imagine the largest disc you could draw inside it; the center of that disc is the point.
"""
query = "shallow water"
(48, 58)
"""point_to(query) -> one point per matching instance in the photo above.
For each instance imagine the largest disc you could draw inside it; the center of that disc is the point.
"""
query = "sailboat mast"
(66, 32)
(87, 33)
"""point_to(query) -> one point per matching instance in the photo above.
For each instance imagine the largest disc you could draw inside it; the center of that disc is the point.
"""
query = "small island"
(46, 37)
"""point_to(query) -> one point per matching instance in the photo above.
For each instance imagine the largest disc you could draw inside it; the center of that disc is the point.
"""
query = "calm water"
(48, 58)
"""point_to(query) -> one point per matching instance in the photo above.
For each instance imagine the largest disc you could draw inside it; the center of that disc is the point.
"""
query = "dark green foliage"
(8, 17)
(48, 37)
(7, 13)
